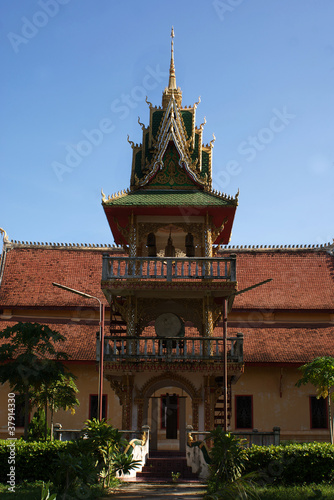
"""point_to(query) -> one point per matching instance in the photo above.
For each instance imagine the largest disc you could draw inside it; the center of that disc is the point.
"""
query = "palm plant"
(108, 445)
(226, 479)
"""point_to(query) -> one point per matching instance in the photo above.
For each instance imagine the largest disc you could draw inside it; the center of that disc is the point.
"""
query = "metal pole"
(225, 361)
(101, 339)
(100, 393)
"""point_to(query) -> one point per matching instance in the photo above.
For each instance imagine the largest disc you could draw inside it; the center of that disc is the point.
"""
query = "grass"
(32, 491)
(315, 491)
(24, 491)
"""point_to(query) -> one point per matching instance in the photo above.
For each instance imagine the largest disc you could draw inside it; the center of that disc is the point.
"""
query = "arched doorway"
(169, 403)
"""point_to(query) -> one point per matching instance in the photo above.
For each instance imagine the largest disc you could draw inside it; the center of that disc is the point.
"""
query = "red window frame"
(312, 398)
(236, 410)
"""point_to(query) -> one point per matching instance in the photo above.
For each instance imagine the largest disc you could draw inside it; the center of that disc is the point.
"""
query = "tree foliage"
(59, 393)
(29, 358)
(320, 373)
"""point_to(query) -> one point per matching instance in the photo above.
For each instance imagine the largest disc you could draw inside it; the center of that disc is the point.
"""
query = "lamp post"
(101, 340)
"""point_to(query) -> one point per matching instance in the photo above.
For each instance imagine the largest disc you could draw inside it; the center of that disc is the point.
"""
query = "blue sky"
(264, 70)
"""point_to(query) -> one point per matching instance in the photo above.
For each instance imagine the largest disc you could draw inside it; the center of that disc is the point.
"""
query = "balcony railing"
(173, 349)
(169, 268)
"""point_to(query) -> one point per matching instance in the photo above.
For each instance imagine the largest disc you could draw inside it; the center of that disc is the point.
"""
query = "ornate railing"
(169, 268)
(172, 349)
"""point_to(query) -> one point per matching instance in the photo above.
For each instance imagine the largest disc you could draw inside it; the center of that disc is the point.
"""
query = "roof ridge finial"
(172, 77)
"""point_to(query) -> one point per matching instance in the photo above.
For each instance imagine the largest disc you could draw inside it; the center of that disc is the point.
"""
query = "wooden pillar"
(195, 406)
(208, 237)
(127, 403)
(208, 407)
(182, 421)
(154, 424)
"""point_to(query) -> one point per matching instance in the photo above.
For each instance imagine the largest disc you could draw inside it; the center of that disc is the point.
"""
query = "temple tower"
(167, 289)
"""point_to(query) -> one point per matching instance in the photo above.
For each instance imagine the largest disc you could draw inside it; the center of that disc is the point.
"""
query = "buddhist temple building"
(197, 332)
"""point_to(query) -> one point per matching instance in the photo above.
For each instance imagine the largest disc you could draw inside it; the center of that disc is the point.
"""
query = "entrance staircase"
(161, 464)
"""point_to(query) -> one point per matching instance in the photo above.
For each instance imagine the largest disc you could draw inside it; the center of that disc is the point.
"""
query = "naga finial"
(131, 142)
(141, 124)
(5, 237)
(148, 102)
(104, 199)
(212, 140)
(202, 124)
(198, 102)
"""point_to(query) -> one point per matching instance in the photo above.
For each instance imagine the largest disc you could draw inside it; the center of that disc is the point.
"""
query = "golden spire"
(172, 91)
(172, 78)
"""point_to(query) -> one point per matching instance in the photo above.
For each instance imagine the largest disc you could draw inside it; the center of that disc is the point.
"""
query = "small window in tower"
(151, 245)
(244, 412)
(319, 414)
(190, 247)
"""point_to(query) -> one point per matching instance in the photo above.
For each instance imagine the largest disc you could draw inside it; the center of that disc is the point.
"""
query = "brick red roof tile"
(29, 273)
(80, 343)
(261, 345)
(285, 345)
(302, 279)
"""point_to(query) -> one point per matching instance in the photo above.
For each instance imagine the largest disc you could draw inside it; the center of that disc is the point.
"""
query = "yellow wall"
(278, 402)
(87, 383)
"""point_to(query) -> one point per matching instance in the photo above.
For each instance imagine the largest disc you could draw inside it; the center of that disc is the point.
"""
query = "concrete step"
(163, 465)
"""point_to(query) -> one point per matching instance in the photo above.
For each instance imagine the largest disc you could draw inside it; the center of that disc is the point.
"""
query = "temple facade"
(196, 332)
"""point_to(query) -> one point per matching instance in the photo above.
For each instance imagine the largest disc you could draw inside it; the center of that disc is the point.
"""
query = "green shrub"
(292, 464)
(32, 459)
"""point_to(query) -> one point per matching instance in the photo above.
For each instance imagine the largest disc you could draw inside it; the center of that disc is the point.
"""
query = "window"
(319, 416)
(93, 403)
(243, 412)
(19, 410)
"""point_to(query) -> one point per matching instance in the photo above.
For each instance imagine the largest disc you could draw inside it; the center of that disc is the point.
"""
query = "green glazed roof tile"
(169, 198)
(188, 122)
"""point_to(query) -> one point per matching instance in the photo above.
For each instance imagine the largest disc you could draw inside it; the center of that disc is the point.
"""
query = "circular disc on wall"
(168, 325)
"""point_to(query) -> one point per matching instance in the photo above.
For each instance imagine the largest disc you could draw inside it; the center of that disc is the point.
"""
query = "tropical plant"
(107, 445)
(37, 426)
(320, 373)
(30, 359)
(226, 479)
(74, 468)
(45, 494)
(59, 393)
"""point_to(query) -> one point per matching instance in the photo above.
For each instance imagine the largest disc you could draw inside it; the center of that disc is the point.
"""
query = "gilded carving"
(218, 229)
(118, 386)
(123, 230)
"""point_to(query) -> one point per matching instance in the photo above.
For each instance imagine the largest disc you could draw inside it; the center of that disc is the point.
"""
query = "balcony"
(172, 350)
(169, 268)
(195, 274)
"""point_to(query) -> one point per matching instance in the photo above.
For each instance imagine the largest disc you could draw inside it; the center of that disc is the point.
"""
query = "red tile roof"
(302, 279)
(286, 345)
(261, 345)
(29, 273)
(80, 343)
